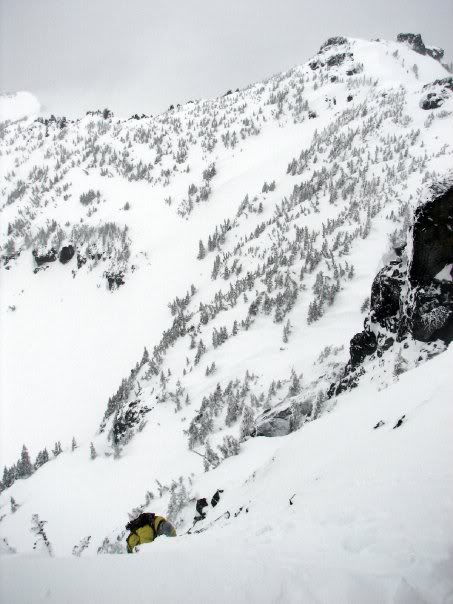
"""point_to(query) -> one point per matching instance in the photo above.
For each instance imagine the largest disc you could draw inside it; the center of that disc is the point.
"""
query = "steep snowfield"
(370, 520)
(350, 151)
(18, 105)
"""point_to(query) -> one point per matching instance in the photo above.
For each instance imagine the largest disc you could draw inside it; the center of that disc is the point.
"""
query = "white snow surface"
(18, 105)
(446, 273)
(370, 520)
(372, 509)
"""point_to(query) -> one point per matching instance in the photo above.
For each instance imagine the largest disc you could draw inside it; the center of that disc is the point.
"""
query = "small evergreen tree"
(77, 550)
(24, 465)
(234, 331)
(229, 447)
(295, 386)
(113, 547)
(42, 542)
(365, 305)
(57, 449)
(247, 424)
(211, 459)
(41, 458)
(317, 406)
(200, 352)
(9, 476)
(201, 251)
(145, 357)
(93, 453)
(178, 499)
(314, 311)
(14, 505)
(286, 331)
(73, 444)
(234, 409)
(149, 496)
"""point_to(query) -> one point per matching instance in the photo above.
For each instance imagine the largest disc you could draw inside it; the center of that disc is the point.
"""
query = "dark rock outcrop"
(436, 53)
(386, 295)
(66, 254)
(45, 257)
(433, 238)
(362, 345)
(332, 61)
(432, 101)
(432, 312)
(415, 41)
(334, 41)
(316, 64)
(338, 59)
(436, 93)
(407, 298)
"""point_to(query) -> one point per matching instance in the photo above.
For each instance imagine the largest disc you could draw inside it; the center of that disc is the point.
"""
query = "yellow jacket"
(147, 533)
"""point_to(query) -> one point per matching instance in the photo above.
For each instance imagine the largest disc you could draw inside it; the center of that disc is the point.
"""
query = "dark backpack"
(201, 503)
(142, 520)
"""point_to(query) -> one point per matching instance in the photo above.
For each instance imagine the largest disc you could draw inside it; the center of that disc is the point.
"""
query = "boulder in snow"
(436, 93)
(279, 420)
(66, 253)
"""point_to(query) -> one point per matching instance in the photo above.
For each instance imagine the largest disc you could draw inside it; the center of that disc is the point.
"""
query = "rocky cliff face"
(415, 42)
(411, 297)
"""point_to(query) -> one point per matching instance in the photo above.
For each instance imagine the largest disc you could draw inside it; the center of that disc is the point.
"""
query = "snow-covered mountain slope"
(237, 239)
(370, 519)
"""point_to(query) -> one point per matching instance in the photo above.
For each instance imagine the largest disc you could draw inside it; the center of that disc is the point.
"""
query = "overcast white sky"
(142, 55)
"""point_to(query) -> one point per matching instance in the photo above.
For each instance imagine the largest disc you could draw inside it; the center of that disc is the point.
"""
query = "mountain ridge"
(237, 240)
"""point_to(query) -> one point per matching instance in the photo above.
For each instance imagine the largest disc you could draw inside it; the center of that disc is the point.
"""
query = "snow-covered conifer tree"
(286, 331)
(178, 499)
(295, 386)
(42, 542)
(200, 352)
(211, 459)
(234, 331)
(247, 424)
(41, 459)
(24, 465)
(201, 250)
(229, 447)
(77, 550)
(57, 449)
